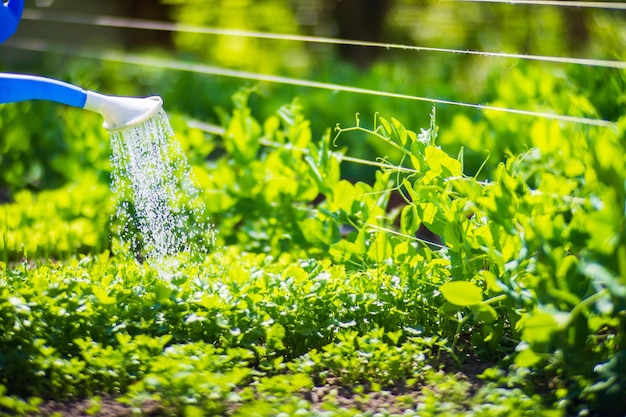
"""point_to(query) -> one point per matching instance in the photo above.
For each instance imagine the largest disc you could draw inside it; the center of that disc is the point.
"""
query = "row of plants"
(319, 283)
(221, 343)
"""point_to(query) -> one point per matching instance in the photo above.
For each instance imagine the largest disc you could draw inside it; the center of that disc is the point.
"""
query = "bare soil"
(343, 396)
(106, 407)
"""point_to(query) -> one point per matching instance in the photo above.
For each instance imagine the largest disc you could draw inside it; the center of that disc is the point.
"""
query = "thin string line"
(130, 23)
(126, 58)
(581, 4)
(404, 235)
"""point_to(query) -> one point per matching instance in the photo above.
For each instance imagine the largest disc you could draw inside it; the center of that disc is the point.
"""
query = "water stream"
(160, 214)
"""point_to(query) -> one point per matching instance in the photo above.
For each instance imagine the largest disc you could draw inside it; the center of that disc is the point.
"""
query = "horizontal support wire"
(404, 235)
(131, 23)
(607, 5)
(128, 58)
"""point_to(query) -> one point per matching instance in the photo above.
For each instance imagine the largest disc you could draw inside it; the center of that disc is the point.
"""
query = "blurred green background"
(44, 145)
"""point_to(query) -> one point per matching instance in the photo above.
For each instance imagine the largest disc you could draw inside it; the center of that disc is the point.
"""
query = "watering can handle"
(10, 15)
(18, 87)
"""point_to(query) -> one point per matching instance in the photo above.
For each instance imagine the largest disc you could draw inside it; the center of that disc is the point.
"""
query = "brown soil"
(106, 407)
(394, 399)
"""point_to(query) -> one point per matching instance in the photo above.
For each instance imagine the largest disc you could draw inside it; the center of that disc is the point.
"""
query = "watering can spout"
(118, 112)
(122, 112)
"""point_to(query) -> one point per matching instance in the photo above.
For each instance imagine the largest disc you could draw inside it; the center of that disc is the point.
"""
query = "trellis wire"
(404, 235)
(128, 58)
(558, 3)
(131, 23)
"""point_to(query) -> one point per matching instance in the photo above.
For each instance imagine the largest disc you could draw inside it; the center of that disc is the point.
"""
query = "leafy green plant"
(46, 146)
(377, 357)
(56, 223)
(192, 376)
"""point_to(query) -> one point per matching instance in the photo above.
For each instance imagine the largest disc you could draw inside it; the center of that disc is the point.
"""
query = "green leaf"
(488, 333)
(342, 251)
(448, 309)
(527, 358)
(193, 411)
(539, 328)
(319, 232)
(417, 156)
(386, 125)
(400, 130)
(603, 227)
(462, 293)
(275, 335)
(409, 220)
(485, 313)
(468, 187)
(102, 296)
(429, 213)
(343, 194)
(380, 249)
(441, 163)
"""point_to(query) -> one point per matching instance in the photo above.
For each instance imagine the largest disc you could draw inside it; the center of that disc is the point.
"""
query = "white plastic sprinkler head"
(122, 112)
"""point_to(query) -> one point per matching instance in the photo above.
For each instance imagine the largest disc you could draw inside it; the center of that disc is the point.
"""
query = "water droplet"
(160, 214)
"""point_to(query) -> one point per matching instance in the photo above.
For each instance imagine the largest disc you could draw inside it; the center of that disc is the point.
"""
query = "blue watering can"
(10, 15)
(118, 112)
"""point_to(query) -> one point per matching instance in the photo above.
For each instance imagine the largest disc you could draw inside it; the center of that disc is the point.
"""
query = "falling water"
(159, 211)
